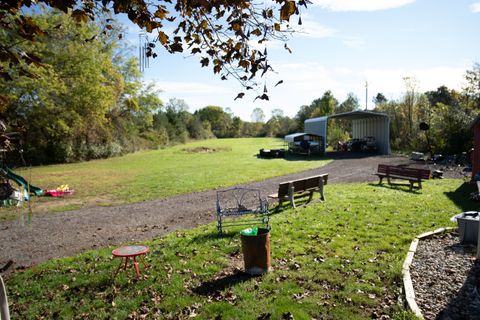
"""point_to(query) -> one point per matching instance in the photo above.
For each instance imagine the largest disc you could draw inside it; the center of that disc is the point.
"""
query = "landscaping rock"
(446, 278)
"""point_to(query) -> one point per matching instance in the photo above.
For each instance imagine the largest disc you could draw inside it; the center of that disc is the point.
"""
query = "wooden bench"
(290, 190)
(413, 175)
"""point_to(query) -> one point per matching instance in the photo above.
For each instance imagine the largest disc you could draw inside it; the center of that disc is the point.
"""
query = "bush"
(98, 151)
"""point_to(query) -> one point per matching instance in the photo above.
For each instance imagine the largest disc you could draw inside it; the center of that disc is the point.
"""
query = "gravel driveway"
(68, 233)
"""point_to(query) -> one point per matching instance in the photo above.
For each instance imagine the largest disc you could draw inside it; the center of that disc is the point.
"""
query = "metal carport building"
(364, 124)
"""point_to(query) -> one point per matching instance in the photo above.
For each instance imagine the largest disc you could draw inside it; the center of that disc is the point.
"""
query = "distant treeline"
(86, 101)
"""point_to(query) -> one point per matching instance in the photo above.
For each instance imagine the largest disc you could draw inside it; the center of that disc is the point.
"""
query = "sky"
(340, 46)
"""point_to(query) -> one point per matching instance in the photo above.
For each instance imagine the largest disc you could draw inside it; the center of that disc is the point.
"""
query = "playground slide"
(22, 182)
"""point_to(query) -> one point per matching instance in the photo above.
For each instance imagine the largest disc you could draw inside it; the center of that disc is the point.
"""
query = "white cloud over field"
(475, 7)
(357, 5)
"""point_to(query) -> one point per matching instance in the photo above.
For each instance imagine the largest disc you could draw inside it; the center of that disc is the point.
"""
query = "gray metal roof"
(291, 137)
(352, 115)
(358, 114)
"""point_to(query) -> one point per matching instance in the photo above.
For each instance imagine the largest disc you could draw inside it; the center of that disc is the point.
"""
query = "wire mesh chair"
(4, 312)
(236, 202)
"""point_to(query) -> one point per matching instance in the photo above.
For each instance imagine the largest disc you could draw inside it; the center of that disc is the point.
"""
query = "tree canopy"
(224, 34)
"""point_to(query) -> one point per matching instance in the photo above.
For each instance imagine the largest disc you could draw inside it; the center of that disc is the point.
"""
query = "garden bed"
(446, 278)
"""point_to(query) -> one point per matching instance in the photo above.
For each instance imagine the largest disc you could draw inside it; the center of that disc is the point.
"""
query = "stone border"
(407, 281)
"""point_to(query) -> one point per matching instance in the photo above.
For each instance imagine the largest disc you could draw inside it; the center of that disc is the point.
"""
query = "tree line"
(87, 101)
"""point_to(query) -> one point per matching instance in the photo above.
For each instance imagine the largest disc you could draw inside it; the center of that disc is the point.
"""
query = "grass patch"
(335, 260)
(197, 166)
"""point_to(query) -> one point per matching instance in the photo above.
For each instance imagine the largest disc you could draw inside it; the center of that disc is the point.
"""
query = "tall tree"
(64, 108)
(178, 119)
(319, 107)
(279, 125)
(350, 104)
(442, 95)
(258, 116)
(379, 99)
(326, 105)
(472, 88)
(277, 113)
(410, 98)
(220, 121)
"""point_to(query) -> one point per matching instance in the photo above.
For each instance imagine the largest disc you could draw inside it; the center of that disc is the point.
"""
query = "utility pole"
(366, 95)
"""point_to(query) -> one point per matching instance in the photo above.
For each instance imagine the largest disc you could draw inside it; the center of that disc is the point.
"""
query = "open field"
(335, 260)
(149, 175)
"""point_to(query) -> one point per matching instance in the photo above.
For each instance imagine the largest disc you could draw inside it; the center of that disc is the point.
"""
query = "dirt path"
(72, 232)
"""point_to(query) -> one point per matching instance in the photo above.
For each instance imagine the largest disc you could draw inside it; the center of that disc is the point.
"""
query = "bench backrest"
(239, 200)
(404, 171)
(301, 185)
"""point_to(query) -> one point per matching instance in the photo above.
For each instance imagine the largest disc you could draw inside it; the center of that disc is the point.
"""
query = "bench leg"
(320, 189)
(280, 201)
(292, 201)
(290, 195)
(381, 180)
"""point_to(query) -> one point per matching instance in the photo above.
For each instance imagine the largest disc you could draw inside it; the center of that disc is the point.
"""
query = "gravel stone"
(446, 278)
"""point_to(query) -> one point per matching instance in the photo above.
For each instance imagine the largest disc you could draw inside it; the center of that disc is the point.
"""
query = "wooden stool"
(128, 252)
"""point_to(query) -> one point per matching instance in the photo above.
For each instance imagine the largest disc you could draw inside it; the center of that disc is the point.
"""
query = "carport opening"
(369, 131)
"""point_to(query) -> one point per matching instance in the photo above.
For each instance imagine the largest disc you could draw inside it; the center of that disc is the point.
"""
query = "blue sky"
(341, 45)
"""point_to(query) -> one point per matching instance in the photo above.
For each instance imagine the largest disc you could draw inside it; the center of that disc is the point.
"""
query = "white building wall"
(317, 126)
(377, 127)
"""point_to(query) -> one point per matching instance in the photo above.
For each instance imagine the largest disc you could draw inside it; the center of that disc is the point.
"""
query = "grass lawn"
(340, 259)
(161, 173)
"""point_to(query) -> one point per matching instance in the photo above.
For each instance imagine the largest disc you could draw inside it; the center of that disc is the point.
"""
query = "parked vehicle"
(304, 143)
(366, 144)
(369, 145)
(354, 145)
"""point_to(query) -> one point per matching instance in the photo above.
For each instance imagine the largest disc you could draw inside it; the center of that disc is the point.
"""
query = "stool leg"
(143, 260)
(126, 262)
(118, 269)
(135, 263)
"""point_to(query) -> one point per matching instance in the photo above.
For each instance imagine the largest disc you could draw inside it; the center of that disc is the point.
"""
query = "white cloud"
(185, 88)
(357, 5)
(270, 45)
(312, 29)
(390, 82)
(475, 7)
(354, 42)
